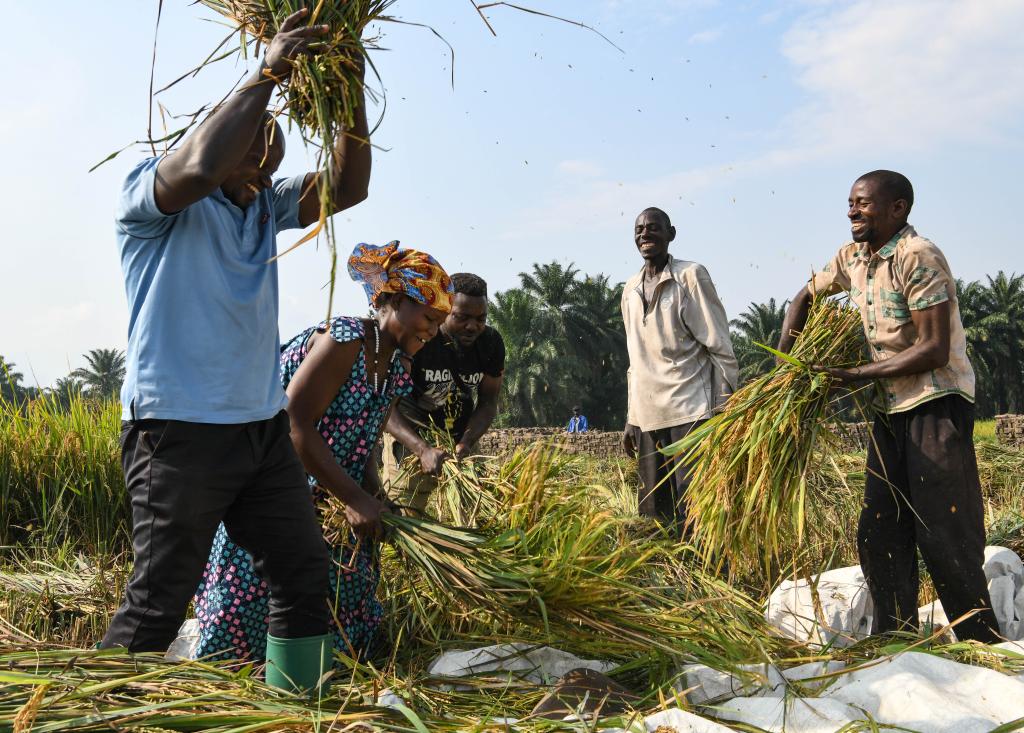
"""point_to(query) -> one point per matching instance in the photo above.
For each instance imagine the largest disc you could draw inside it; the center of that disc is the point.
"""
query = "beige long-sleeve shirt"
(681, 362)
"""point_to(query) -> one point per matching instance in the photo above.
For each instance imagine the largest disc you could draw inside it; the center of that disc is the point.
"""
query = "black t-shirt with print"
(446, 376)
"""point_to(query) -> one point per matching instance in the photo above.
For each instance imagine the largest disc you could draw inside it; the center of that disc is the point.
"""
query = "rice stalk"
(552, 568)
(748, 498)
(60, 475)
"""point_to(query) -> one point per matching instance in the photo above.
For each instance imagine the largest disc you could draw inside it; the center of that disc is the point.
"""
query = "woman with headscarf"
(341, 376)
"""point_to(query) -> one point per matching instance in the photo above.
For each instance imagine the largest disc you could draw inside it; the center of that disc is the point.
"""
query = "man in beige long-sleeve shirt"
(681, 362)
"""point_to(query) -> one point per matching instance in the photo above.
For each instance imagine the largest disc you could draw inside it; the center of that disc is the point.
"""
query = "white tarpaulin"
(917, 691)
(542, 665)
(1005, 574)
(836, 606)
(844, 608)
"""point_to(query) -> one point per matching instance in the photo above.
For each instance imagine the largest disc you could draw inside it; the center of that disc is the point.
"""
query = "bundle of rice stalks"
(39, 601)
(1001, 470)
(44, 690)
(462, 497)
(553, 568)
(747, 499)
(325, 87)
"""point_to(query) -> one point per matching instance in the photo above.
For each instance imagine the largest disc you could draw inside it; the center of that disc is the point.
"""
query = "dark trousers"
(663, 479)
(923, 491)
(184, 479)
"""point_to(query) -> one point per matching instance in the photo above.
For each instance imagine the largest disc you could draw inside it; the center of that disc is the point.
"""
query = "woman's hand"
(364, 516)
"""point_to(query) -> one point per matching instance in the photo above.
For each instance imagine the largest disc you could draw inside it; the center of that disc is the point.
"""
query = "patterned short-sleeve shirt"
(909, 273)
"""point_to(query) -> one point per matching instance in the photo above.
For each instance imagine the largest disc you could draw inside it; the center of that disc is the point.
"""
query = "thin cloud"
(914, 74)
(709, 35)
(580, 168)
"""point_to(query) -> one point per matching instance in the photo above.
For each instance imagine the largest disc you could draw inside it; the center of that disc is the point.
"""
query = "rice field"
(565, 562)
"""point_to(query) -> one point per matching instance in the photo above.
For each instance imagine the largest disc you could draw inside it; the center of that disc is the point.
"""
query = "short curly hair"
(894, 185)
(469, 284)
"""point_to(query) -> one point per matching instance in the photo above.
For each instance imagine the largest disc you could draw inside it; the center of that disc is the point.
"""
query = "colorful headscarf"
(388, 269)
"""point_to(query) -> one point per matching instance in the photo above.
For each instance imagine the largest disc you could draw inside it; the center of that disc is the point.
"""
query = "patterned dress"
(232, 601)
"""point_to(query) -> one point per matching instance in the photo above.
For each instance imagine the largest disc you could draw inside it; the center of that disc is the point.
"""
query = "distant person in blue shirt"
(205, 437)
(577, 423)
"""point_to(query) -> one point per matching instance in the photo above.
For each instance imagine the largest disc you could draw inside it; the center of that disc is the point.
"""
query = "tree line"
(100, 378)
(565, 347)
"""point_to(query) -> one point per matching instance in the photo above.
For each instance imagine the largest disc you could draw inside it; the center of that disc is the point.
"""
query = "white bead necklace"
(376, 359)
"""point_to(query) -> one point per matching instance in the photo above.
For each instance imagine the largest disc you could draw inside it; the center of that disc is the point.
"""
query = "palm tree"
(1006, 297)
(761, 323)
(65, 390)
(596, 342)
(981, 327)
(552, 286)
(993, 318)
(10, 381)
(532, 367)
(104, 374)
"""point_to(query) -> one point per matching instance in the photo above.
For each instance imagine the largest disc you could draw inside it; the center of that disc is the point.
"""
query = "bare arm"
(796, 319)
(483, 415)
(405, 432)
(349, 171)
(930, 350)
(217, 147)
(310, 392)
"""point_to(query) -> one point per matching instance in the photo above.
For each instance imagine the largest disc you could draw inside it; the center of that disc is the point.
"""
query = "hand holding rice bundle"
(747, 498)
(324, 87)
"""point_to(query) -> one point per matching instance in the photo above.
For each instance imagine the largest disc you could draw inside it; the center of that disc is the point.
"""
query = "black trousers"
(922, 492)
(663, 482)
(184, 479)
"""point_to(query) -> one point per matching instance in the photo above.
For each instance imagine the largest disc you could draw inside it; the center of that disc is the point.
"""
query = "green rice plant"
(747, 501)
(61, 477)
(985, 431)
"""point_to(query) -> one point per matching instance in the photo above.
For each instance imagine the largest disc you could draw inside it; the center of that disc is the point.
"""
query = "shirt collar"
(666, 272)
(890, 247)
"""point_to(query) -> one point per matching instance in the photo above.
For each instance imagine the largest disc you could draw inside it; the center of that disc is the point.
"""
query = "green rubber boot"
(297, 665)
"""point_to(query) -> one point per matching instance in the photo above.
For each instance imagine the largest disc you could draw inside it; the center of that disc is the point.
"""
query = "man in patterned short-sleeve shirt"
(922, 489)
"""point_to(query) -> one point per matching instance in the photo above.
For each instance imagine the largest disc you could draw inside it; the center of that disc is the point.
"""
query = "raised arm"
(483, 415)
(349, 171)
(210, 154)
(310, 392)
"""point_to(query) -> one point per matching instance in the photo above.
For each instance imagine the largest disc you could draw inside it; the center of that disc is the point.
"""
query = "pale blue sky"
(747, 121)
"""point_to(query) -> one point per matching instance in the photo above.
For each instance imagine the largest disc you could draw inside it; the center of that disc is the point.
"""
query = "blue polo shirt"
(202, 332)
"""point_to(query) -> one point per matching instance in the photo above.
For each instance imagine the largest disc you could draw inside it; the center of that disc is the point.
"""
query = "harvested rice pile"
(748, 498)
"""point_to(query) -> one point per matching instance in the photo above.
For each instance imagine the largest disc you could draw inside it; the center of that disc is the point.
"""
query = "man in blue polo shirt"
(205, 437)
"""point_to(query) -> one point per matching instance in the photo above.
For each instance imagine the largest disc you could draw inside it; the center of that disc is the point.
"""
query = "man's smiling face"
(652, 234)
(254, 174)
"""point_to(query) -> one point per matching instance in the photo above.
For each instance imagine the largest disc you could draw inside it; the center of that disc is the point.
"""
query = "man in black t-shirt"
(456, 381)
